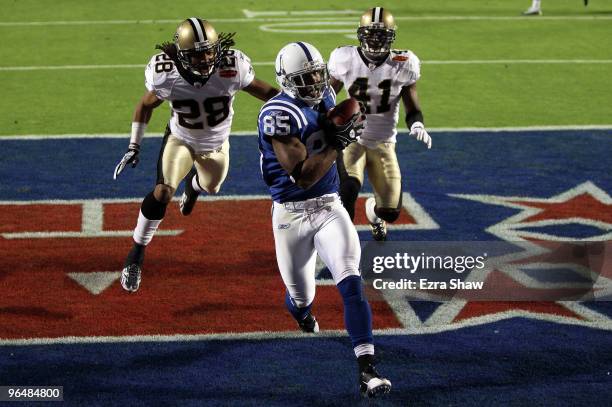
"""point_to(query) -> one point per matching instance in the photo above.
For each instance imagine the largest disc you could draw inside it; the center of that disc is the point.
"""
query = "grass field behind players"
(467, 94)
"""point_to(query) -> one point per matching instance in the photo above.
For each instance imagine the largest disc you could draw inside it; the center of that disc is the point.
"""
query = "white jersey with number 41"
(201, 114)
(376, 86)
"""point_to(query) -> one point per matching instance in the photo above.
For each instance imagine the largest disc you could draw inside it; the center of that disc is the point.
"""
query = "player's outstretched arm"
(305, 170)
(414, 116)
(140, 119)
(261, 90)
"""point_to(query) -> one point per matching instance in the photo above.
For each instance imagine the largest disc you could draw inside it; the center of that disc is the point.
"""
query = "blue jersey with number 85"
(284, 116)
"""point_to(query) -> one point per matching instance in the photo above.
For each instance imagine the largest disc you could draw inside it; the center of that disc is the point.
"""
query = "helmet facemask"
(310, 83)
(202, 60)
(375, 41)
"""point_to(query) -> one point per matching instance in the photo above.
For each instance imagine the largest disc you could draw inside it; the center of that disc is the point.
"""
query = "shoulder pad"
(159, 73)
(281, 118)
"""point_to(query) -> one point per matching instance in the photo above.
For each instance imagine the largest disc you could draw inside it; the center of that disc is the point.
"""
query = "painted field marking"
(280, 19)
(251, 133)
(598, 322)
(252, 14)
(92, 215)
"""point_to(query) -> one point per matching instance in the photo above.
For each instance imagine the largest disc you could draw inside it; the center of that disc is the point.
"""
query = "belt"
(312, 203)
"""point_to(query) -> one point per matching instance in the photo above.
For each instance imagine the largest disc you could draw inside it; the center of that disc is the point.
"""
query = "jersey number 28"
(217, 109)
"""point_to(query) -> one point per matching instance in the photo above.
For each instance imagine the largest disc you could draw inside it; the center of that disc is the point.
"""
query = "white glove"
(418, 130)
(130, 157)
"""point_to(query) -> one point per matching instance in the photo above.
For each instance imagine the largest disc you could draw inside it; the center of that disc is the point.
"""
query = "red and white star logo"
(586, 204)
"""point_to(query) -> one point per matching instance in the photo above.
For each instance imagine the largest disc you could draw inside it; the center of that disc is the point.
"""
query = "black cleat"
(372, 384)
(379, 226)
(190, 195)
(379, 231)
(130, 277)
(309, 324)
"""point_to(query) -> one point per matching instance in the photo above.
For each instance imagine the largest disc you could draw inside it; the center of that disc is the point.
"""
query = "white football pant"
(303, 229)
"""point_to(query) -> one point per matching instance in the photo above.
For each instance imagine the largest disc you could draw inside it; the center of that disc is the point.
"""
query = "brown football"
(342, 113)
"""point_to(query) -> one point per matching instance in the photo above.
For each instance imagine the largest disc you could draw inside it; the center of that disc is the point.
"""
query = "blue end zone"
(502, 363)
(513, 362)
(532, 163)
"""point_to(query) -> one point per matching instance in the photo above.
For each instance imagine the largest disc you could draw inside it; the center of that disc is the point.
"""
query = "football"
(342, 113)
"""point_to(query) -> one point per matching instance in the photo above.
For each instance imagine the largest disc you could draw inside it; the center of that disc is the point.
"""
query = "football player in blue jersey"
(298, 145)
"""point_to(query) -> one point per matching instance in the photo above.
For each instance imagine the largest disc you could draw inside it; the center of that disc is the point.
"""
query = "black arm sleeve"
(414, 116)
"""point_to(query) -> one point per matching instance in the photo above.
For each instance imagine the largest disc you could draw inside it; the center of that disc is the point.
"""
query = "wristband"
(413, 117)
(138, 130)
(297, 172)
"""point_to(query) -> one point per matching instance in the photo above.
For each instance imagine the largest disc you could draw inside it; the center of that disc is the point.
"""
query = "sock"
(299, 313)
(196, 184)
(371, 211)
(357, 313)
(535, 4)
(364, 349)
(136, 254)
(151, 214)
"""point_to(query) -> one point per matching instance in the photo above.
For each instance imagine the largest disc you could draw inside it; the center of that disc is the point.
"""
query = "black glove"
(130, 157)
(340, 136)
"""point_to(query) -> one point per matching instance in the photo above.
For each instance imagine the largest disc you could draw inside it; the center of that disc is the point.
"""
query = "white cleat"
(531, 11)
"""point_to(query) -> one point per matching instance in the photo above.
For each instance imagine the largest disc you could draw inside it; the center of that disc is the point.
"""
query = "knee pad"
(388, 214)
(153, 209)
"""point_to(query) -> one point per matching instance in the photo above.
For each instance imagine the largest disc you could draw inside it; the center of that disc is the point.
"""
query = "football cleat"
(372, 384)
(531, 11)
(309, 324)
(130, 277)
(379, 226)
(190, 195)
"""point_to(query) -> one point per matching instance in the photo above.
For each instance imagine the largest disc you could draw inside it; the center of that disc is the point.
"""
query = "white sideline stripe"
(280, 19)
(253, 133)
(205, 198)
(269, 335)
(77, 67)
(252, 13)
(82, 235)
(432, 62)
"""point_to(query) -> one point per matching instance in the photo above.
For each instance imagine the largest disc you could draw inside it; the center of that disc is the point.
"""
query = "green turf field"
(457, 88)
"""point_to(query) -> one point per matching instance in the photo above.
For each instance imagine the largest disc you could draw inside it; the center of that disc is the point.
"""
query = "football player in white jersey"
(378, 77)
(198, 74)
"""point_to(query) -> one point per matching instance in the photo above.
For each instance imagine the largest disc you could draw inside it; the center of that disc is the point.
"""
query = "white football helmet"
(301, 72)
